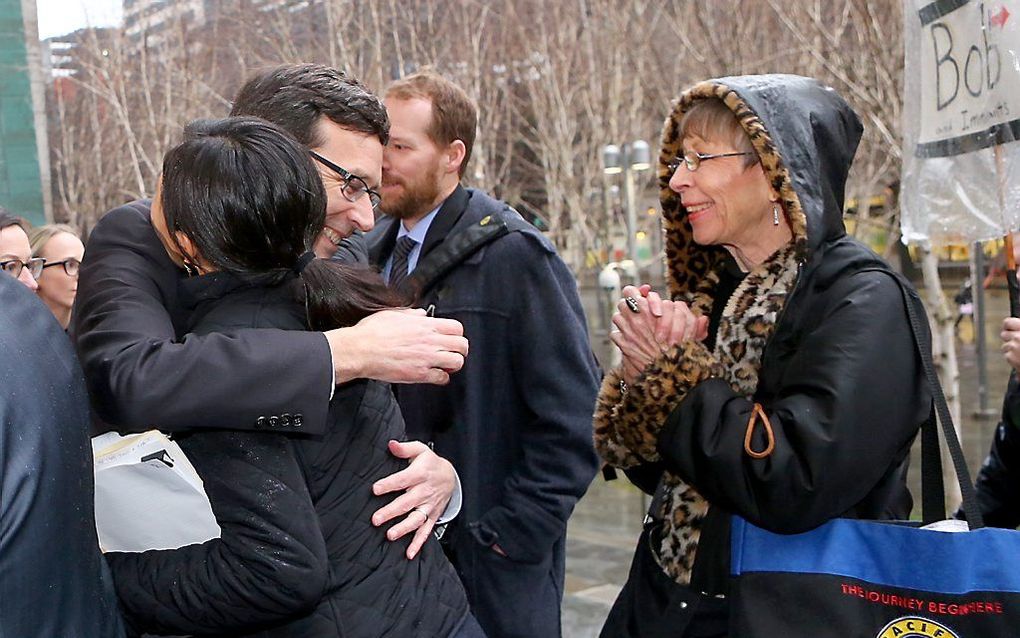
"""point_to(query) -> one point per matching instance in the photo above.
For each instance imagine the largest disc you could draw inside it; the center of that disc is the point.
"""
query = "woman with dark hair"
(15, 251)
(240, 206)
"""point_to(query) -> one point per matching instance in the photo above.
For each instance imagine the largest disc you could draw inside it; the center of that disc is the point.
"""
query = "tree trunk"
(944, 353)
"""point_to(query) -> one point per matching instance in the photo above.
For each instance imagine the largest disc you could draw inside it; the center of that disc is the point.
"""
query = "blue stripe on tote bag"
(859, 578)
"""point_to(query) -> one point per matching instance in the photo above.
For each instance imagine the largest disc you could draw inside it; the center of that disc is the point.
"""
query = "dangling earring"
(189, 269)
(775, 214)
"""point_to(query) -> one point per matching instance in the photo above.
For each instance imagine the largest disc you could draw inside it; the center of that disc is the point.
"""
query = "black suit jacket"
(53, 581)
(142, 372)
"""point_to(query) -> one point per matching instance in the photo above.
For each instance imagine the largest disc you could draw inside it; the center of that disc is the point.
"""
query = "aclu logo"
(916, 627)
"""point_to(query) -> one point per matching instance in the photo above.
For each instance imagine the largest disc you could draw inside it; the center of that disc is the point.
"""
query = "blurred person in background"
(53, 581)
(998, 482)
(60, 246)
(16, 252)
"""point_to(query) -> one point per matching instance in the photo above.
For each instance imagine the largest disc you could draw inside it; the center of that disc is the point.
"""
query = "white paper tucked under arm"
(148, 495)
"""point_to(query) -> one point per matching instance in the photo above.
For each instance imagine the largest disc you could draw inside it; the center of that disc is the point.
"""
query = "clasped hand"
(657, 325)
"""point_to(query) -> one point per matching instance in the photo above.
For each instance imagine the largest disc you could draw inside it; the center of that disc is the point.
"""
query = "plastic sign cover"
(961, 110)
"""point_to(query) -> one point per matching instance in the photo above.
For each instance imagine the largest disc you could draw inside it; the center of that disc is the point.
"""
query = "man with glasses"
(516, 421)
(127, 318)
(16, 252)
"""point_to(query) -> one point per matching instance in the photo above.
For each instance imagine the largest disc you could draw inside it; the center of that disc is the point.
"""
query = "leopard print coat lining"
(627, 423)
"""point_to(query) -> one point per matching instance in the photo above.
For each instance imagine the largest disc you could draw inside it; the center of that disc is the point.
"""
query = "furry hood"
(805, 135)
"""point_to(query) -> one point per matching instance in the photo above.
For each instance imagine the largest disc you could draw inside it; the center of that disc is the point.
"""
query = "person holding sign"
(779, 381)
(998, 481)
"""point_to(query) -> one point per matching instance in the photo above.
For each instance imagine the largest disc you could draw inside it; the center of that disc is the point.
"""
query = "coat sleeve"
(554, 366)
(136, 367)
(848, 402)
(353, 250)
(268, 565)
(998, 481)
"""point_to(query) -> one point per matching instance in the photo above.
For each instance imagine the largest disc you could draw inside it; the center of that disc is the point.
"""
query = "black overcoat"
(515, 421)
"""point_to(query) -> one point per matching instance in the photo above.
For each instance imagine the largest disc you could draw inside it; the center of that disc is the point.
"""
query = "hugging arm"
(268, 565)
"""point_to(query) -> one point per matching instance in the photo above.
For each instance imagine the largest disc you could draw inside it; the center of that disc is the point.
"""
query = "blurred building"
(148, 20)
(24, 159)
(70, 54)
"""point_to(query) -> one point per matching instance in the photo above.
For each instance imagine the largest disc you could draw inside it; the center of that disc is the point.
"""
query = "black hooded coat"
(818, 336)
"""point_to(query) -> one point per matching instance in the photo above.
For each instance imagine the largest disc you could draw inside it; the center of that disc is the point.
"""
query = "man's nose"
(27, 279)
(362, 215)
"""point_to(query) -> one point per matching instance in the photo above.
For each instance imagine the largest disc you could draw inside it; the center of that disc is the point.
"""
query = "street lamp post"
(629, 159)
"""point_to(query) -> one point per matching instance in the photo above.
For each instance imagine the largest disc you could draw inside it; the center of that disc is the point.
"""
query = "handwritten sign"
(970, 84)
(961, 120)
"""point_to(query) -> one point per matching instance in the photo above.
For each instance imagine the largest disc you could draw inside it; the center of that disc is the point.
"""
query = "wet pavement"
(604, 528)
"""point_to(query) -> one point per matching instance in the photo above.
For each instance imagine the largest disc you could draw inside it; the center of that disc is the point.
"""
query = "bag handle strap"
(933, 506)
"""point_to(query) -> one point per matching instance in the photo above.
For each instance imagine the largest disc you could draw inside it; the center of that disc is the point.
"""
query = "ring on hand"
(632, 304)
(421, 511)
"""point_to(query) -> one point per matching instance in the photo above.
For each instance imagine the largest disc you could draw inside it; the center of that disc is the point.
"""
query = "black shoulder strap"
(933, 507)
(460, 245)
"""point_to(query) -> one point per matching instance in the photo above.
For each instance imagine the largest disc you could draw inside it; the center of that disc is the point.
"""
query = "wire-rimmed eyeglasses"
(692, 159)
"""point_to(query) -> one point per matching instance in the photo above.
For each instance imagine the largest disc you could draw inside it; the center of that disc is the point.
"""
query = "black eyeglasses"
(70, 265)
(353, 187)
(692, 159)
(13, 267)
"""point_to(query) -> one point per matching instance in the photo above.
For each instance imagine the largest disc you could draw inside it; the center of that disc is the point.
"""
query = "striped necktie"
(398, 270)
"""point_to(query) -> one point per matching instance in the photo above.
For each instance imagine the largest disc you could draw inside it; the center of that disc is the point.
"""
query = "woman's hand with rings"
(647, 325)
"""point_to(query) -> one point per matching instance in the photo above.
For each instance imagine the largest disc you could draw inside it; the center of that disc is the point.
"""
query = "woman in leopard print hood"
(779, 381)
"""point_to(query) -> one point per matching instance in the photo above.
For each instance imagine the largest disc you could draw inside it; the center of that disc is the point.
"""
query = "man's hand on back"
(398, 346)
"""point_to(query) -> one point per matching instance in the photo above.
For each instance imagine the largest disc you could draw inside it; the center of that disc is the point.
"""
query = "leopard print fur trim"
(682, 515)
(749, 318)
(627, 424)
(748, 322)
(608, 443)
(686, 262)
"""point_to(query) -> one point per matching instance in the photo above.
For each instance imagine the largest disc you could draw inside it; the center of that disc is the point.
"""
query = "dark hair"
(7, 219)
(248, 197)
(454, 114)
(295, 96)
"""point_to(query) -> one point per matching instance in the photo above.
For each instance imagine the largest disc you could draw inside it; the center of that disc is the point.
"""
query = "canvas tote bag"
(875, 579)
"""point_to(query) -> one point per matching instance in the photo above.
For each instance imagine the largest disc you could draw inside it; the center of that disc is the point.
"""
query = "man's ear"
(456, 151)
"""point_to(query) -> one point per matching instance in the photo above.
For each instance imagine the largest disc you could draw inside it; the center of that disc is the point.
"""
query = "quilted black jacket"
(298, 554)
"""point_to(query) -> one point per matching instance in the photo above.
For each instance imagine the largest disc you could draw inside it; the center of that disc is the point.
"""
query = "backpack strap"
(460, 245)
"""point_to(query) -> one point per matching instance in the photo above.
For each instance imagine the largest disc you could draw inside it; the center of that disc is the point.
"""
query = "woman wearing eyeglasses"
(778, 381)
(62, 250)
(16, 252)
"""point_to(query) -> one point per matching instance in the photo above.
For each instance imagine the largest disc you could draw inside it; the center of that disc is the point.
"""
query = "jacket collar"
(449, 214)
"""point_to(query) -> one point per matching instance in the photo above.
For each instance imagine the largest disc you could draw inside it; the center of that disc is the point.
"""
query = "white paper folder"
(148, 495)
